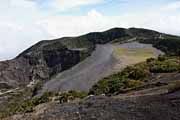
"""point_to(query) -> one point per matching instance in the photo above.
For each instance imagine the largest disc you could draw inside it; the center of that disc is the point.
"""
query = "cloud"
(22, 3)
(63, 5)
(18, 27)
(59, 26)
(24, 22)
(15, 38)
(172, 6)
(19, 22)
(94, 13)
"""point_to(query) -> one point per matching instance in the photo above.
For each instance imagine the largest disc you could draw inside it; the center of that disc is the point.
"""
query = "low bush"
(161, 58)
(134, 76)
(150, 60)
(133, 83)
(164, 67)
(28, 105)
(71, 95)
(136, 73)
(130, 77)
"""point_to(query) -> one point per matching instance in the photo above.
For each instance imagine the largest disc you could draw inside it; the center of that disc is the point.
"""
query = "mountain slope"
(46, 58)
(77, 63)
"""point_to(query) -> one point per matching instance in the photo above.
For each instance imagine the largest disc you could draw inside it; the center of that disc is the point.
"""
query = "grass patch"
(135, 54)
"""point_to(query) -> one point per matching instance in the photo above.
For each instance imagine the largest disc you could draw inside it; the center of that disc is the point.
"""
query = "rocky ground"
(149, 105)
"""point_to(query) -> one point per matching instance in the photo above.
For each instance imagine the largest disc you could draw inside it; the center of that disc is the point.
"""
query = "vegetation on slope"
(29, 105)
(131, 77)
(134, 76)
(9, 106)
(19, 104)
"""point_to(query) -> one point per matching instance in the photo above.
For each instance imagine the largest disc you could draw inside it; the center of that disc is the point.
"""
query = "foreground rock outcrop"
(146, 107)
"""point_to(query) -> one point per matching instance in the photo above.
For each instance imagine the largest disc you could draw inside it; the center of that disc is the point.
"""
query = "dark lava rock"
(154, 107)
(37, 64)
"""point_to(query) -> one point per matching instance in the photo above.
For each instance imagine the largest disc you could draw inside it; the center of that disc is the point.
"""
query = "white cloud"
(24, 24)
(62, 5)
(14, 39)
(18, 27)
(59, 26)
(172, 6)
(22, 3)
(94, 13)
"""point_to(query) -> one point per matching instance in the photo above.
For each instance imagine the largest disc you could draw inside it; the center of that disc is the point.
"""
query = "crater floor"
(105, 60)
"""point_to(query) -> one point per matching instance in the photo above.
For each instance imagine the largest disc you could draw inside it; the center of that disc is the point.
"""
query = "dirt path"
(9, 91)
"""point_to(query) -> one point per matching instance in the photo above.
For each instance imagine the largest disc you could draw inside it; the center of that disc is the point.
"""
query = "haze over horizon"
(25, 22)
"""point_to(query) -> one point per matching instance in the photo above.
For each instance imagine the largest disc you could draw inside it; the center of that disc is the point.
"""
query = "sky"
(25, 22)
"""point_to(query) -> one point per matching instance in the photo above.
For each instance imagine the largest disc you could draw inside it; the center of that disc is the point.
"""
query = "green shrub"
(150, 60)
(136, 73)
(115, 85)
(134, 76)
(130, 77)
(100, 88)
(78, 94)
(133, 83)
(164, 67)
(161, 58)
(71, 95)
(28, 105)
